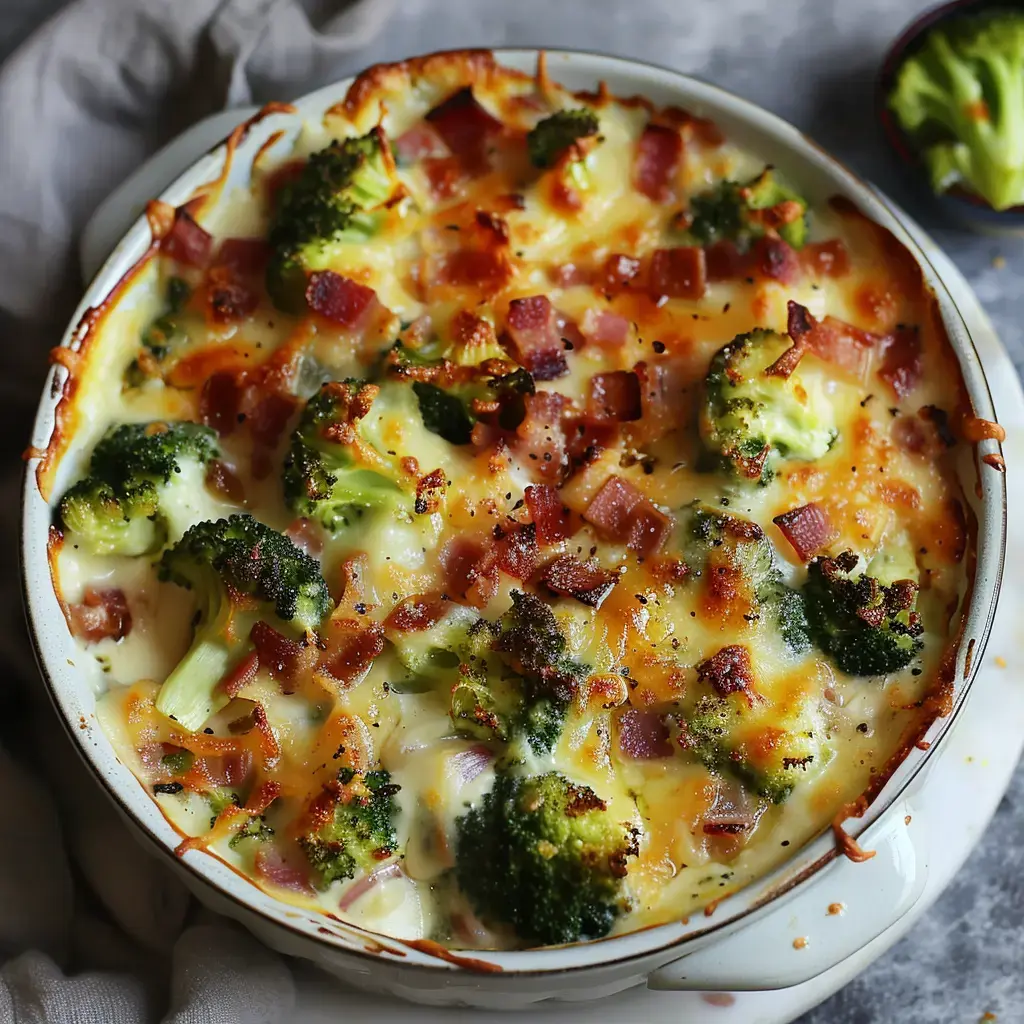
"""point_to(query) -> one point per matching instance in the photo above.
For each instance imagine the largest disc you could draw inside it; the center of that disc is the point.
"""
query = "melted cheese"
(896, 509)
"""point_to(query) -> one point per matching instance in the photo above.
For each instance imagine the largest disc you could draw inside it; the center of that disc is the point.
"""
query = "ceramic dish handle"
(816, 930)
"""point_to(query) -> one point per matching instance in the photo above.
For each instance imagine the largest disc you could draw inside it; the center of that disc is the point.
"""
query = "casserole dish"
(423, 970)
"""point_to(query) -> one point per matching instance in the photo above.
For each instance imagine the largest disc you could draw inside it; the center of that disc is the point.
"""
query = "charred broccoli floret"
(552, 136)
(959, 97)
(335, 201)
(867, 628)
(222, 562)
(117, 508)
(359, 834)
(542, 855)
(163, 336)
(754, 419)
(323, 478)
(743, 212)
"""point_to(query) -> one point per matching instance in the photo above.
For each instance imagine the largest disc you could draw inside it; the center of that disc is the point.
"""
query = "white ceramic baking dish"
(742, 945)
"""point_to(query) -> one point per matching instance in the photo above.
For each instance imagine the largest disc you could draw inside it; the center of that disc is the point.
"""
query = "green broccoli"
(541, 854)
(866, 627)
(117, 508)
(564, 133)
(222, 562)
(321, 478)
(359, 834)
(743, 212)
(753, 419)
(167, 333)
(958, 96)
(254, 827)
(333, 203)
(714, 538)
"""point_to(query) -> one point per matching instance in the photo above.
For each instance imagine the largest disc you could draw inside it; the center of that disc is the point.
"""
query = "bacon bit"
(101, 615)
(418, 142)
(339, 299)
(623, 513)
(220, 402)
(222, 481)
(566, 275)
(536, 343)
(549, 515)
(430, 490)
(228, 297)
(649, 528)
(724, 262)
(616, 274)
(466, 128)
(515, 552)
(587, 582)
(241, 675)
(974, 429)
(494, 226)
(839, 343)
(775, 259)
(614, 396)
(789, 360)
(284, 659)
(244, 256)
(350, 647)
(729, 671)
(267, 421)
(826, 259)
(604, 328)
(416, 613)
(996, 461)
(445, 176)
(643, 735)
(270, 748)
(658, 156)
(807, 529)
(540, 439)
(677, 273)
(902, 364)
(186, 241)
(471, 574)
(486, 269)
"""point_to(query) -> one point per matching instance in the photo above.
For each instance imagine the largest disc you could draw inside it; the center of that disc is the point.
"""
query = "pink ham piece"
(807, 529)
(658, 156)
(549, 515)
(100, 615)
(270, 864)
(587, 582)
(245, 256)
(614, 397)
(776, 260)
(361, 886)
(540, 440)
(643, 735)
(187, 242)
(678, 273)
(617, 272)
(419, 142)
(624, 514)
(902, 365)
(536, 341)
(466, 128)
(338, 299)
(604, 328)
(468, 764)
(844, 346)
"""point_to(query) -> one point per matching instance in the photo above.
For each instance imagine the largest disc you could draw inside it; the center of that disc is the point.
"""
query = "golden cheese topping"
(518, 517)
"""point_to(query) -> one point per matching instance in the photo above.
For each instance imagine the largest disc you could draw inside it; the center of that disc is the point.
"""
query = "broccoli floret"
(743, 212)
(713, 539)
(221, 562)
(322, 478)
(868, 629)
(754, 420)
(219, 800)
(334, 202)
(359, 834)
(562, 140)
(255, 827)
(116, 509)
(164, 335)
(959, 97)
(541, 854)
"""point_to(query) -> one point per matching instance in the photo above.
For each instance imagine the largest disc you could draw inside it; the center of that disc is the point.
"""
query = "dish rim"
(990, 546)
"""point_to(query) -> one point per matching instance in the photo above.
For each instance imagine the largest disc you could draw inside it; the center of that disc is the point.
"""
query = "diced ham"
(222, 480)
(617, 272)
(587, 582)
(677, 273)
(245, 256)
(614, 396)
(775, 259)
(267, 419)
(724, 262)
(826, 259)
(419, 142)
(649, 528)
(643, 734)
(656, 164)
(220, 402)
(540, 439)
(604, 328)
(516, 550)
(657, 414)
(609, 510)
(470, 574)
(339, 299)
(486, 269)
(536, 342)
(187, 242)
(728, 671)
(445, 176)
(270, 864)
(466, 128)
(550, 516)
(807, 529)
(101, 615)
(228, 297)
(902, 364)
(415, 613)
(283, 658)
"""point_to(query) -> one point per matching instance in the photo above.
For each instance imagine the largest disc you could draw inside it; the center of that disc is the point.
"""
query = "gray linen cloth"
(92, 929)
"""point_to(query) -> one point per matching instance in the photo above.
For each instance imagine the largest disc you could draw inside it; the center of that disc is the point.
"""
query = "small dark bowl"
(961, 205)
